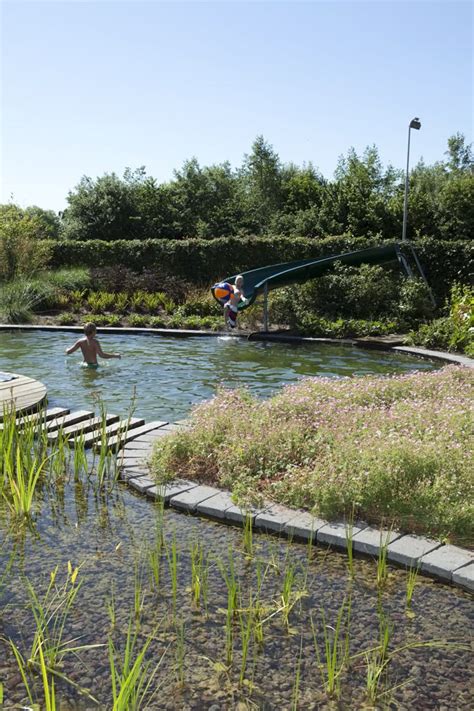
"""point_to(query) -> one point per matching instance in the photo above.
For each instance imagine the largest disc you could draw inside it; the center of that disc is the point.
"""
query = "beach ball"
(223, 291)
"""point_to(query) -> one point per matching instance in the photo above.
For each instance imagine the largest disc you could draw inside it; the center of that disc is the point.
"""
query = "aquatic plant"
(335, 656)
(199, 574)
(411, 581)
(131, 674)
(22, 483)
(248, 535)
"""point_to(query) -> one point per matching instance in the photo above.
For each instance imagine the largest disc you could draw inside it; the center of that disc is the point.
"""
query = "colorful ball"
(223, 291)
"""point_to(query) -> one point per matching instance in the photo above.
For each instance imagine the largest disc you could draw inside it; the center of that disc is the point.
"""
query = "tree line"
(265, 197)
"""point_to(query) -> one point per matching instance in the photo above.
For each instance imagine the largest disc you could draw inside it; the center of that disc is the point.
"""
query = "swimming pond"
(169, 375)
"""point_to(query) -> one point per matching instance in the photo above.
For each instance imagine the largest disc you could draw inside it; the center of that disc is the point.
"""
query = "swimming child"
(90, 347)
(231, 307)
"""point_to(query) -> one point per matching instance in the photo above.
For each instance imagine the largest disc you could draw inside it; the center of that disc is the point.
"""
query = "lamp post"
(414, 123)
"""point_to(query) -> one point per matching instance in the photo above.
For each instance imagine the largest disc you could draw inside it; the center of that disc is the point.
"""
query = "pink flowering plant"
(395, 449)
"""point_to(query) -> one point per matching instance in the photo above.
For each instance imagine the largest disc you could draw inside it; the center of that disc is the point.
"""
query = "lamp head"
(415, 123)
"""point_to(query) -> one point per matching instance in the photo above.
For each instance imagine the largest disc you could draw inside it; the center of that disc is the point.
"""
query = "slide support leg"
(265, 307)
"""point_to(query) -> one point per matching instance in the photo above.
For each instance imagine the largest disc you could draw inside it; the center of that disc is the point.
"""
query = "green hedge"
(204, 261)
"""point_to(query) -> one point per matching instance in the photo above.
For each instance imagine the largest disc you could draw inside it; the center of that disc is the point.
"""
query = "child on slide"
(231, 307)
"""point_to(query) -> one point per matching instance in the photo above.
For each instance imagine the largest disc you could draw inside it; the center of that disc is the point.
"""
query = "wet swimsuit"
(89, 365)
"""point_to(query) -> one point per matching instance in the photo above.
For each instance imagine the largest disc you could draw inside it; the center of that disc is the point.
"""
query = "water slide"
(264, 279)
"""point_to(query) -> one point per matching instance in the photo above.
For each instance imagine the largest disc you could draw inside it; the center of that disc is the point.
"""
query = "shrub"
(66, 319)
(72, 279)
(103, 319)
(137, 321)
(202, 304)
(121, 278)
(17, 301)
(158, 322)
(101, 301)
(177, 262)
(21, 253)
(454, 332)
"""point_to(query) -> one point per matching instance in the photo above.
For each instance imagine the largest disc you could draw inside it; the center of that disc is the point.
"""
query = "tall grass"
(131, 674)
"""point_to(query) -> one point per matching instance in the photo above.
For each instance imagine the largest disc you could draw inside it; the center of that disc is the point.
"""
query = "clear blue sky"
(93, 87)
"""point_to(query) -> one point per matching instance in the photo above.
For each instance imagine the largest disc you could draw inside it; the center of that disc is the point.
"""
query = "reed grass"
(411, 582)
(22, 482)
(131, 674)
(382, 568)
(336, 641)
(248, 535)
(172, 556)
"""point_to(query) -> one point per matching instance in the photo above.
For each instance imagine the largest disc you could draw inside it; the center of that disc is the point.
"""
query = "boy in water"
(231, 307)
(90, 347)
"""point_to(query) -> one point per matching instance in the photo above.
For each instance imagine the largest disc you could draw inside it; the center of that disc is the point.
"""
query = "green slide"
(277, 275)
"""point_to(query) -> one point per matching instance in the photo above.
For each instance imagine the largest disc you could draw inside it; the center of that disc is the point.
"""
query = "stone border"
(446, 563)
(369, 343)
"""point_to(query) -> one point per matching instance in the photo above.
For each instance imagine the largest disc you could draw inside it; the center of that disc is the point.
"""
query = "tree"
(460, 157)
(102, 209)
(261, 184)
(22, 253)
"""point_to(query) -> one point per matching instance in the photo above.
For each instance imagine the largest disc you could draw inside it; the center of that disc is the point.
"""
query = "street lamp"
(414, 123)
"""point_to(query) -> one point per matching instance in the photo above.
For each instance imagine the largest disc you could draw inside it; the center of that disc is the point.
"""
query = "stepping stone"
(79, 428)
(443, 561)
(40, 417)
(336, 534)
(129, 460)
(67, 420)
(114, 429)
(136, 446)
(274, 518)
(465, 577)
(141, 484)
(368, 540)
(163, 429)
(408, 550)
(238, 514)
(216, 506)
(189, 500)
(133, 433)
(134, 473)
(167, 491)
(304, 525)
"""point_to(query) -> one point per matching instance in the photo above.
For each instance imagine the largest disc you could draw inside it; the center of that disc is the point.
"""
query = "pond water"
(114, 535)
(169, 375)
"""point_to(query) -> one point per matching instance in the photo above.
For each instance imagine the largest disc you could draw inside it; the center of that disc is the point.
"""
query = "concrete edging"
(443, 562)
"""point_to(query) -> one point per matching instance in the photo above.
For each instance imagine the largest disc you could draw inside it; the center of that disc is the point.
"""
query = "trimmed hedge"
(204, 261)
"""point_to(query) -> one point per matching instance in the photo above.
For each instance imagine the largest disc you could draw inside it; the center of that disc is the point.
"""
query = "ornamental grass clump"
(396, 449)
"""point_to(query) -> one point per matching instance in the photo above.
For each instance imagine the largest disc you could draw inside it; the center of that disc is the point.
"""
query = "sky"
(89, 88)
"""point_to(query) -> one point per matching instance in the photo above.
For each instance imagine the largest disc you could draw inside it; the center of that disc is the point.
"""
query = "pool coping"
(372, 343)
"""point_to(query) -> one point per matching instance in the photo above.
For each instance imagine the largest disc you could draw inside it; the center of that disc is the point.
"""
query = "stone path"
(444, 562)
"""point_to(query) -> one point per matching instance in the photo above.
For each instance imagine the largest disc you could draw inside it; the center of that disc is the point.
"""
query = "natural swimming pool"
(169, 374)
(224, 621)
